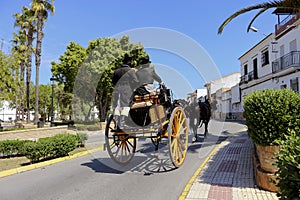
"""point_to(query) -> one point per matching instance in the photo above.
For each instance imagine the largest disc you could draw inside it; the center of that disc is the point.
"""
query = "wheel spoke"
(178, 128)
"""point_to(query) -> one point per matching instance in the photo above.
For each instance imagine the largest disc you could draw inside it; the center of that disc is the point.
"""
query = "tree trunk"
(28, 72)
(38, 63)
(22, 69)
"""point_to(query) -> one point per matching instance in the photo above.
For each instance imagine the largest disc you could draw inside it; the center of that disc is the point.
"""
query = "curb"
(197, 172)
(47, 163)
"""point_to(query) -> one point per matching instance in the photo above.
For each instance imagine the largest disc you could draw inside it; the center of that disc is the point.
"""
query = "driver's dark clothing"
(124, 80)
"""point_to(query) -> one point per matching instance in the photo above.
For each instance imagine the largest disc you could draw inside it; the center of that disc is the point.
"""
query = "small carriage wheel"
(120, 146)
(178, 136)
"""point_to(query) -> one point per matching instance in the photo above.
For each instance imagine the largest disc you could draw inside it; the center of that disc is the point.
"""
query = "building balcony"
(286, 24)
(248, 77)
(291, 59)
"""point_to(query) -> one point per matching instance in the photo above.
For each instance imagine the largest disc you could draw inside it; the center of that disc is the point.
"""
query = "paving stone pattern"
(229, 174)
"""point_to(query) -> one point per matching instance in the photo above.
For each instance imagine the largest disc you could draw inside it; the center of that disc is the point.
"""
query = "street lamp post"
(53, 80)
(273, 42)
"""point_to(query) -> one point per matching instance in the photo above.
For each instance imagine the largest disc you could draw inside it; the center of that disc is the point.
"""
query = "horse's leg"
(206, 129)
(192, 125)
(195, 126)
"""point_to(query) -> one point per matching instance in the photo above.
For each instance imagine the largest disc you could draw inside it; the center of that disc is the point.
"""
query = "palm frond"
(264, 6)
(254, 18)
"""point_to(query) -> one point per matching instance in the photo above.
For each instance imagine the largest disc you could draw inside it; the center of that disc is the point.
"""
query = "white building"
(275, 61)
(7, 114)
(220, 94)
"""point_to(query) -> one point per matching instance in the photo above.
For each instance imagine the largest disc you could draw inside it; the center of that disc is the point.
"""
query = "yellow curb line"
(191, 181)
(46, 163)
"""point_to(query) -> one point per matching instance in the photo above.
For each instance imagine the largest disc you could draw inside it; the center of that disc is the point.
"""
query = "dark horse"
(205, 114)
(198, 113)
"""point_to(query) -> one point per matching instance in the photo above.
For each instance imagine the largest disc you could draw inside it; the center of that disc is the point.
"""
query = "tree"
(292, 5)
(104, 55)
(7, 84)
(86, 73)
(41, 8)
(20, 50)
(26, 21)
(66, 71)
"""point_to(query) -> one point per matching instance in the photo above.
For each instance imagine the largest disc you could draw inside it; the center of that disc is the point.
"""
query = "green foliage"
(52, 147)
(293, 5)
(8, 84)
(81, 137)
(10, 148)
(270, 113)
(86, 74)
(87, 127)
(62, 144)
(288, 161)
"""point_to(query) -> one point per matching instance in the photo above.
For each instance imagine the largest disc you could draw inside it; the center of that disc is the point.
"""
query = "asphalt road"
(148, 176)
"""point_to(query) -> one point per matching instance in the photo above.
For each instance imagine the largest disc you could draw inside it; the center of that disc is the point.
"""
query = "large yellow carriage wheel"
(120, 145)
(178, 136)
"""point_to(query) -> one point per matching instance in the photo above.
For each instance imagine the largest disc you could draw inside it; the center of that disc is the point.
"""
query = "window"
(245, 69)
(293, 45)
(265, 57)
(283, 86)
(294, 84)
(255, 76)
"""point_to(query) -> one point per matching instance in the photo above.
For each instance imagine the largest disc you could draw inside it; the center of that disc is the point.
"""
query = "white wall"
(225, 82)
(235, 94)
(256, 52)
(7, 113)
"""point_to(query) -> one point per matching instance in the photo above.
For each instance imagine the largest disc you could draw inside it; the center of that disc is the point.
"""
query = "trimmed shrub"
(81, 138)
(270, 113)
(288, 161)
(88, 127)
(10, 148)
(52, 147)
(34, 151)
(62, 144)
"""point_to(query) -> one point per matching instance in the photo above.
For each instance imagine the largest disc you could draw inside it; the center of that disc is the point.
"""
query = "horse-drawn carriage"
(155, 116)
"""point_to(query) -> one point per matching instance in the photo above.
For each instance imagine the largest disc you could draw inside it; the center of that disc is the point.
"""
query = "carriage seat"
(144, 100)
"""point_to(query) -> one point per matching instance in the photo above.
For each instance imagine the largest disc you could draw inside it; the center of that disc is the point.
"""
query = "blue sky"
(81, 21)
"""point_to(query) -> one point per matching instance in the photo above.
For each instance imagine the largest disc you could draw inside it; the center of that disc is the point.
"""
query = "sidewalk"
(228, 174)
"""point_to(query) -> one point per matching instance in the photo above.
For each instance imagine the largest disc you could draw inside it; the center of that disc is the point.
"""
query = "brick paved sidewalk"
(229, 174)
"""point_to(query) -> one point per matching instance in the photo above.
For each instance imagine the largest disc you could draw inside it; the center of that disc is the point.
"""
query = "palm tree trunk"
(28, 73)
(22, 69)
(38, 62)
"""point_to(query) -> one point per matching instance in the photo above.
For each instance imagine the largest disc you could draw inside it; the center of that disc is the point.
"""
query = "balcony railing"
(247, 77)
(285, 20)
(291, 59)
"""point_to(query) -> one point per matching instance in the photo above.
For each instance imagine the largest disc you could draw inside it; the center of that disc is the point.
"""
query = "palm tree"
(26, 21)
(41, 8)
(20, 49)
(291, 5)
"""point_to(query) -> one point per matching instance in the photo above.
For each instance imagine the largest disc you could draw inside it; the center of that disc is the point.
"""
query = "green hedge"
(88, 127)
(288, 161)
(45, 148)
(52, 147)
(10, 148)
(270, 114)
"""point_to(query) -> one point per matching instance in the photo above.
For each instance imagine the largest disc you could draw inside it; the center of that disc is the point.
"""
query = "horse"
(205, 114)
(191, 109)
(199, 112)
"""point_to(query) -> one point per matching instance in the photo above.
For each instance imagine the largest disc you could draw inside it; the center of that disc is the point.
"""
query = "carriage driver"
(124, 81)
(146, 76)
